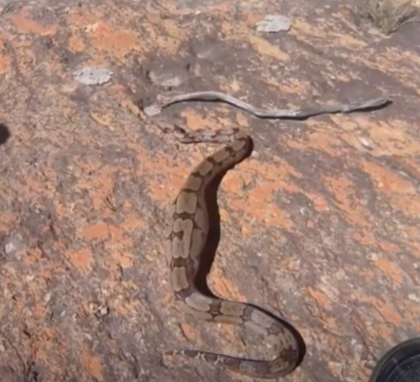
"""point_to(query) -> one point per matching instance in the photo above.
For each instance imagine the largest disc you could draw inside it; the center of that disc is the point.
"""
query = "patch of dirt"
(323, 218)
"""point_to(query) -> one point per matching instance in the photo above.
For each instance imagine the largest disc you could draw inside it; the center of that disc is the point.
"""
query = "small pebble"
(92, 76)
(274, 24)
(13, 245)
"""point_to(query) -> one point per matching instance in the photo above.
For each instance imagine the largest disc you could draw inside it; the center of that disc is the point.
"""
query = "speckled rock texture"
(320, 225)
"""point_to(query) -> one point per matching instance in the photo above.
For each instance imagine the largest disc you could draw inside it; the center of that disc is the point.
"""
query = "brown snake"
(189, 233)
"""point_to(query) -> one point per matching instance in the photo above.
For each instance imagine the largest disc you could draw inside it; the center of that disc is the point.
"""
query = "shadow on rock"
(210, 249)
(4, 134)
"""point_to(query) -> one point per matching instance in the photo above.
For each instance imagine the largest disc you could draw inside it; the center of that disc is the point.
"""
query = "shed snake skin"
(156, 108)
(189, 231)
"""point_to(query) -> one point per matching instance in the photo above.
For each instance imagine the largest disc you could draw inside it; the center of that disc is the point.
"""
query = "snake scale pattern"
(186, 241)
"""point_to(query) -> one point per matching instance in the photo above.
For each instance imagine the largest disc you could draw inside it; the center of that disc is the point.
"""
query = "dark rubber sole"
(399, 364)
